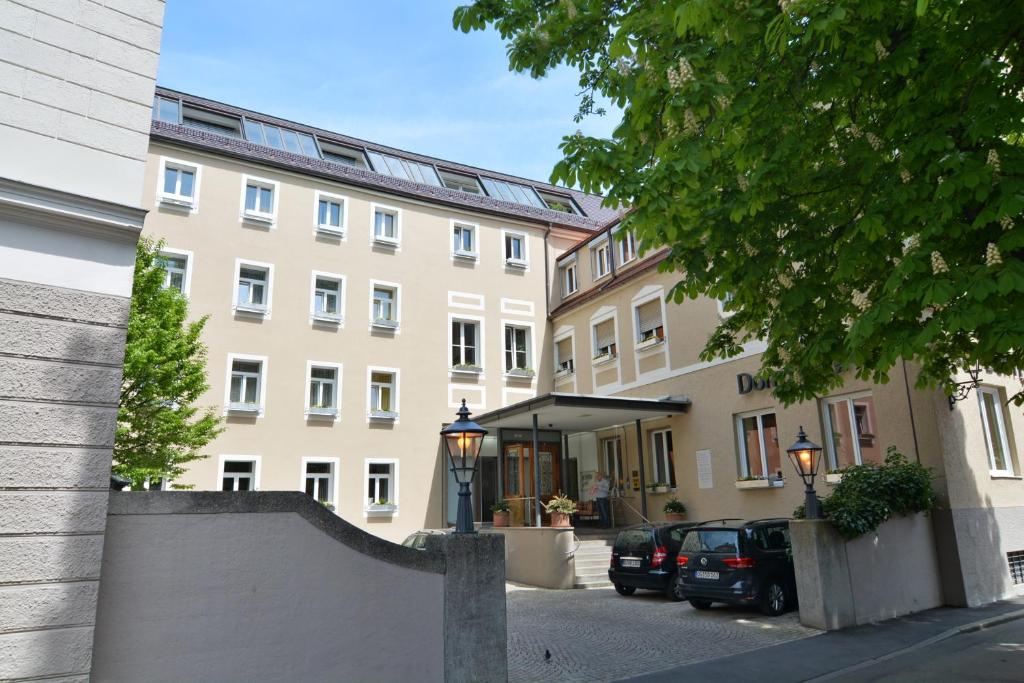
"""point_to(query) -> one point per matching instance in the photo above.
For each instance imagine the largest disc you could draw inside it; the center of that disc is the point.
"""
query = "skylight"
(511, 192)
(403, 168)
(281, 138)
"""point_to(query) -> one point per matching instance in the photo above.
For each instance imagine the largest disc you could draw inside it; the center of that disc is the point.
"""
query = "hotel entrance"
(519, 475)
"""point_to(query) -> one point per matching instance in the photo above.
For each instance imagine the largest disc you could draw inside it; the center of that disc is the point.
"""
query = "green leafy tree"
(159, 429)
(849, 171)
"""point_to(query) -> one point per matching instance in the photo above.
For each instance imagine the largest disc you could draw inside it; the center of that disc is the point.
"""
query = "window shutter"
(649, 315)
(605, 333)
(564, 350)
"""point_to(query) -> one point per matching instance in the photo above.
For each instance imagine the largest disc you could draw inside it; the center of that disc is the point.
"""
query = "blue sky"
(390, 71)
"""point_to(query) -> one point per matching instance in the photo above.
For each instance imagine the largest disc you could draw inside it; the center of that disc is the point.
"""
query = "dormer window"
(462, 183)
(560, 203)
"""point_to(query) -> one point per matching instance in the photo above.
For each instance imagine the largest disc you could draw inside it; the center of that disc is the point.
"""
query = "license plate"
(632, 562)
(705, 575)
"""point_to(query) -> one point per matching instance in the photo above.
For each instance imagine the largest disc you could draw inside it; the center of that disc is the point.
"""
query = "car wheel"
(674, 590)
(773, 598)
(700, 604)
(624, 590)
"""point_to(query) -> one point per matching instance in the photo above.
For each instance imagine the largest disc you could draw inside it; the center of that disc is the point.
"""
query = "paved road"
(991, 654)
(598, 635)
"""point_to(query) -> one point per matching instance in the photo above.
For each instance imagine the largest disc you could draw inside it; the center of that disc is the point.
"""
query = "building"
(76, 83)
(357, 293)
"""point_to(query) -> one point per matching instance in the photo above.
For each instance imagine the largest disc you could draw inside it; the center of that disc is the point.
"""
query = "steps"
(592, 559)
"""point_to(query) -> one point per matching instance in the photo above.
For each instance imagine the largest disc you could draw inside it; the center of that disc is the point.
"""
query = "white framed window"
(177, 265)
(662, 466)
(606, 347)
(327, 298)
(387, 224)
(323, 389)
(382, 393)
(993, 420)
(723, 305)
(467, 349)
(569, 281)
(319, 479)
(331, 214)
(851, 431)
(601, 259)
(518, 349)
(515, 249)
(565, 362)
(627, 247)
(611, 449)
(178, 184)
(380, 490)
(650, 329)
(757, 434)
(238, 473)
(460, 182)
(259, 200)
(245, 385)
(385, 310)
(253, 287)
(464, 240)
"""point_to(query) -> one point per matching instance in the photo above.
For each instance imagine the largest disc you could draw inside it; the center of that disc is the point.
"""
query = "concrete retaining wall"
(539, 556)
(272, 586)
(889, 573)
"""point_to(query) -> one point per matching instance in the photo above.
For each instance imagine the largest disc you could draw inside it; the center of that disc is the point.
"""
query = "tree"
(850, 172)
(159, 429)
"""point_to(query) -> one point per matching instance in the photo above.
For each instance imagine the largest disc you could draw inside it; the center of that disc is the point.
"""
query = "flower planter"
(561, 519)
(500, 519)
(833, 478)
(660, 489)
(675, 516)
(753, 484)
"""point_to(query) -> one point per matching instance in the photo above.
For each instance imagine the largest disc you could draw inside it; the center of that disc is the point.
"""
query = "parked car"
(418, 539)
(738, 562)
(645, 557)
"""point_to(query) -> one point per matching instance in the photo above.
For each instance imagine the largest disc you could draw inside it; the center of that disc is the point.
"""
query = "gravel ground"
(598, 635)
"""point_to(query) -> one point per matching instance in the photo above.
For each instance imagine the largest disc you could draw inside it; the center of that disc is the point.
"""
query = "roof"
(597, 216)
(572, 413)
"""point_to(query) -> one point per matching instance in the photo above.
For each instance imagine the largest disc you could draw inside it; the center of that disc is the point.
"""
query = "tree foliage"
(159, 427)
(850, 171)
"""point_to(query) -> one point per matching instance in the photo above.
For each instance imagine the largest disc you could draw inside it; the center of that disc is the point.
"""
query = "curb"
(972, 627)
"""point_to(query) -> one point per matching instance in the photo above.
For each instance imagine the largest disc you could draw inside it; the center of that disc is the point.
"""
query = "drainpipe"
(547, 275)
(536, 471)
(910, 407)
(643, 475)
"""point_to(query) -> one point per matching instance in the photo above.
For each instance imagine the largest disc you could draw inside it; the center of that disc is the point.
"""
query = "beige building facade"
(356, 294)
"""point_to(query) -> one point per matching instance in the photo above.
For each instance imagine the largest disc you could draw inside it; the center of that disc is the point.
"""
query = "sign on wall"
(704, 478)
(636, 480)
(746, 383)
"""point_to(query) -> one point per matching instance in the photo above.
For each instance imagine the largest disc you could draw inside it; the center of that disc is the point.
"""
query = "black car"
(645, 557)
(737, 562)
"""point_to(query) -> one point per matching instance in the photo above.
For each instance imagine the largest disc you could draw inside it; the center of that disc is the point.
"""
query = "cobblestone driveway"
(598, 635)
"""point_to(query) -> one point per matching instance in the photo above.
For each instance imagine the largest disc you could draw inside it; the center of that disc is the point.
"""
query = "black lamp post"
(806, 456)
(463, 439)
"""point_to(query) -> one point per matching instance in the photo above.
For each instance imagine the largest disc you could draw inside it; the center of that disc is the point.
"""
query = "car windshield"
(633, 540)
(711, 541)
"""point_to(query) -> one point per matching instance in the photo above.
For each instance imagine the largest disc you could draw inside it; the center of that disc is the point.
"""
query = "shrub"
(870, 494)
(674, 505)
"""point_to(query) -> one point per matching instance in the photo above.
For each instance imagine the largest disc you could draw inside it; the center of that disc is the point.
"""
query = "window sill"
(178, 202)
(760, 483)
(322, 413)
(518, 264)
(466, 255)
(650, 343)
(604, 359)
(601, 277)
(563, 374)
(328, 319)
(385, 241)
(246, 309)
(833, 478)
(330, 231)
(380, 510)
(385, 324)
(517, 373)
(244, 408)
(994, 474)
(466, 370)
(383, 415)
(261, 218)
(569, 294)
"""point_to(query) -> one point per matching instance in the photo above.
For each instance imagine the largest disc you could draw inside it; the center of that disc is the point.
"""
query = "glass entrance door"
(519, 480)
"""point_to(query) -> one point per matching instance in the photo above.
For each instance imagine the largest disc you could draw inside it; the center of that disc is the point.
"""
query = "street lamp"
(806, 455)
(463, 439)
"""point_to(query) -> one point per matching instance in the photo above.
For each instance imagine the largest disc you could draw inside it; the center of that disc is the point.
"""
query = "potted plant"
(674, 510)
(660, 487)
(752, 482)
(561, 508)
(500, 510)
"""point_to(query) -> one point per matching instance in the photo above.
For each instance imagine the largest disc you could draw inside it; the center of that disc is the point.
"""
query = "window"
(759, 445)
(517, 353)
(515, 249)
(605, 347)
(331, 214)
(175, 265)
(166, 110)
(238, 475)
(180, 182)
(318, 480)
(569, 282)
(253, 287)
(851, 436)
(512, 192)
(465, 344)
(327, 298)
(602, 259)
(627, 247)
(724, 304)
(1015, 560)
(649, 328)
(258, 200)
(464, 240)
(381, 487)
(281, 138)
(407, 169)
(993, 419)
(663, 469)
(211, 122)
(323, 389)
(462, 183)
(339, 154)
(383, 394)
(384, 306)
(612, 461)
(564, 363)
(560, 203)
(245, 392)
(386, 225)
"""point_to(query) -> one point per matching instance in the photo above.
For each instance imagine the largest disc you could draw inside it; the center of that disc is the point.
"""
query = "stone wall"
(271, 586)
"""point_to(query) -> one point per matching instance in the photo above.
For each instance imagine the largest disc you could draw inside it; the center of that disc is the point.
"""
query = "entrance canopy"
(573, 413)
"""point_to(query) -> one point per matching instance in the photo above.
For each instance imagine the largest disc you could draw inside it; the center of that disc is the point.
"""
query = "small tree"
(159, 429)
